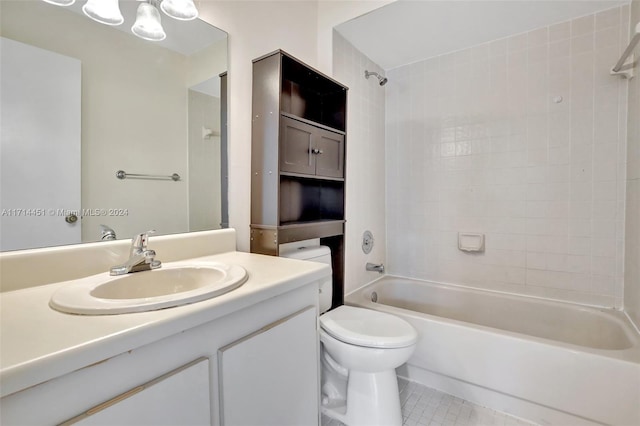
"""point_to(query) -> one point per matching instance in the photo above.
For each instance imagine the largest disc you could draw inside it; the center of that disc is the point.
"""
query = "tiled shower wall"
(632, 230)
(522, 139)
(365, 191)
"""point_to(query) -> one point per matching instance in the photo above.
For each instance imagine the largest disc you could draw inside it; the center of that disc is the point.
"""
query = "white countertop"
(38, 343)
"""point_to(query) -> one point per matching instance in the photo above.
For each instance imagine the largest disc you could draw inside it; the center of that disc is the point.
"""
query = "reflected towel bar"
(121, 174)
(626, 70)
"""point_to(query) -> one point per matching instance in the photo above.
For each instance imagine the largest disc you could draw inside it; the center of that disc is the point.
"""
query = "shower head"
(382, 80)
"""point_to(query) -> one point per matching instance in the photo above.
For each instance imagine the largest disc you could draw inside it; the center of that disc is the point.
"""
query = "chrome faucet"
(375, 267)
(140, 257)
(107, 233)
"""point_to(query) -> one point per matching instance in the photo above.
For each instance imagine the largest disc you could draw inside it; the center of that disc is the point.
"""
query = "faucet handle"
(139, 242)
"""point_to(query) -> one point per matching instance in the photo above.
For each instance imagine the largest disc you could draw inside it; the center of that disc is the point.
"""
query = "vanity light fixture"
(104, 11)
(183, 10)
(61, 2)
(147, 25)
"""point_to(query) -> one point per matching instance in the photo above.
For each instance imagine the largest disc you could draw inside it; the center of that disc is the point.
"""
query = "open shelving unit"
(297, 159)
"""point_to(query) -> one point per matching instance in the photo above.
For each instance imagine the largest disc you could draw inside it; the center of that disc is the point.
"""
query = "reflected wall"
(135, 100)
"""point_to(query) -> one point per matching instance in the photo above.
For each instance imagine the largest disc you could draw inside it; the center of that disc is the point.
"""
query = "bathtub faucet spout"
(375, 267)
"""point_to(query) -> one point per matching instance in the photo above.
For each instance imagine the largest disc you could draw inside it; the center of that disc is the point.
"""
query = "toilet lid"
(369, 328)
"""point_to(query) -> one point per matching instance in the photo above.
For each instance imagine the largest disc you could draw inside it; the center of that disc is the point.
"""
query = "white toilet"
(361, 350)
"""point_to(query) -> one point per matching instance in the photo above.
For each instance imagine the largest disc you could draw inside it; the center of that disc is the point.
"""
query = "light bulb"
(183, 10)
(104, 11)
(148, 25)
(61, 2)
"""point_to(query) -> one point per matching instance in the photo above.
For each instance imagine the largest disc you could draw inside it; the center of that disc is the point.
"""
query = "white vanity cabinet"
(257, 365)
(180, 397)
(270, 376)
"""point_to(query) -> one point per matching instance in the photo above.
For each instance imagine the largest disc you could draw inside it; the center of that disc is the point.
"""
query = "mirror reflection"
(81, 101)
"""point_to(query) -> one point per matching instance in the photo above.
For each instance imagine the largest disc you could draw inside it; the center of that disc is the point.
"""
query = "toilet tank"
(320, 254)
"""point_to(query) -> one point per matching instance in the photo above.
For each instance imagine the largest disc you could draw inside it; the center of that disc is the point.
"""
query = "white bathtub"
(549, 362)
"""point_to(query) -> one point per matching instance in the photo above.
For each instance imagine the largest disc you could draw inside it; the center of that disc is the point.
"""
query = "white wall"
(632, 234)
(207, 63)
(330, 14)
(204, 162)
(365, 189)
(476, 142)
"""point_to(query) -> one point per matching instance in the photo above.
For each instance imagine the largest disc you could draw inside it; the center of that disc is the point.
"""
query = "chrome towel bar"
(121, 174)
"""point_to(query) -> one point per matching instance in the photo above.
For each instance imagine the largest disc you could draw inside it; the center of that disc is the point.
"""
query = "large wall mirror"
(82, 101)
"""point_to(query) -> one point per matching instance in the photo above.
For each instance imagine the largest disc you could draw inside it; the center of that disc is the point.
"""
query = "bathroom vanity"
(249, 356)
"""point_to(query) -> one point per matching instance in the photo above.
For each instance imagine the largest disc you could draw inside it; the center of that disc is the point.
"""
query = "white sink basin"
(169, 286)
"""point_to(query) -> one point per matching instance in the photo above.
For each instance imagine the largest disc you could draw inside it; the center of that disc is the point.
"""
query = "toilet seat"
(368, 328)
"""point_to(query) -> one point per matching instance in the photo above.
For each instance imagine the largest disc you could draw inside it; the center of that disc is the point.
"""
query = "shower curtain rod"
(627, 72)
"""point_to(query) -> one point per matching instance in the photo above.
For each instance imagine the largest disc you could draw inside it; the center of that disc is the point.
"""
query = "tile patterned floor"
(423, 406)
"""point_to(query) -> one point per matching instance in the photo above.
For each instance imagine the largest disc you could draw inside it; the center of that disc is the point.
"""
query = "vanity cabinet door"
(270, 377)
(180, 397)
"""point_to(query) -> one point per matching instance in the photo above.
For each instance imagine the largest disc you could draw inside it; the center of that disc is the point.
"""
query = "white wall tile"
(517, 43)
(608, 18)
(632, 217)
(365, 208)
(582, 44)
(608, 37)
(522, 139)
(583, 25)
(559, 31)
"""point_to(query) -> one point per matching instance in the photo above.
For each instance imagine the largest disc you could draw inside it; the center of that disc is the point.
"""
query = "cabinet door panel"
(295, 146)
(330, 156)
(180, 397)
(270, 378)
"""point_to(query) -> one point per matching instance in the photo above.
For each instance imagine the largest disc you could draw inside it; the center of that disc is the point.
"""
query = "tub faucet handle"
(375, 267)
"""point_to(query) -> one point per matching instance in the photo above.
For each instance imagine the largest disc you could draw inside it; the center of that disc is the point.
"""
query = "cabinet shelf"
(313, 123)
(303, 231)
(312, 177)
(262, 236)
(309, 94)
(310, 223)
(307, 200)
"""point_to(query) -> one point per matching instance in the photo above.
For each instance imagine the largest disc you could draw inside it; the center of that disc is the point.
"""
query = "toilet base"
(373, 399)
(337, 413)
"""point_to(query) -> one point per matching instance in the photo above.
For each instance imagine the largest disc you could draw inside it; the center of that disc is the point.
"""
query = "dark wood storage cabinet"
(297, 158)
(311, 150)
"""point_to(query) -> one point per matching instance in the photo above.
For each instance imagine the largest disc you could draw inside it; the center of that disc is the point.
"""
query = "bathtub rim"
(631, 355)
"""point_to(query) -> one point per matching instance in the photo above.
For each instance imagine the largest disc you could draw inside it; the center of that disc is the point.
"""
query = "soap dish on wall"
(471, 242)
